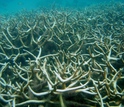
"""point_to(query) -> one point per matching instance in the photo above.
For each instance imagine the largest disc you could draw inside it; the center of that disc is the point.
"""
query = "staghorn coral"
(63, 58)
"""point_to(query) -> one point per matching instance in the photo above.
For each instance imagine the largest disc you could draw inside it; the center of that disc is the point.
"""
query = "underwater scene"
(61, 53)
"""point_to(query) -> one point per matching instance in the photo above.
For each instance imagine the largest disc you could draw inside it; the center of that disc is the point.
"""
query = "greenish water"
(14, 6)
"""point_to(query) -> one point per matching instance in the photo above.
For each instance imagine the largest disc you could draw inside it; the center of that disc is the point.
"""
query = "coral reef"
(65, 58)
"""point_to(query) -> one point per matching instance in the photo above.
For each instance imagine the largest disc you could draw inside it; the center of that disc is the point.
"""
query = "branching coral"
(63, 58)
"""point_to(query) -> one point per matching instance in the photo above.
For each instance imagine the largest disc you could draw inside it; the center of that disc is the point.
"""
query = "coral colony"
(65, 58)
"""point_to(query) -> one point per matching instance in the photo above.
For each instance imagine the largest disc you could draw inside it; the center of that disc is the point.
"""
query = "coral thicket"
(63, 58)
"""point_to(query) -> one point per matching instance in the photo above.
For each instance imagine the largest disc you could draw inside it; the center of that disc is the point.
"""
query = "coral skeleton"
(72, 58)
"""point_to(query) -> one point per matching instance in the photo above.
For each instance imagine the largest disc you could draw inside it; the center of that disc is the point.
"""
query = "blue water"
(14, 6)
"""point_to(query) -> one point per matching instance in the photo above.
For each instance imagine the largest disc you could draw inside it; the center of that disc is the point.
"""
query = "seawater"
(15, 6)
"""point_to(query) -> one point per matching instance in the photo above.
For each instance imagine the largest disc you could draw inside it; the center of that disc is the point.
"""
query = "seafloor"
(63, 57)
